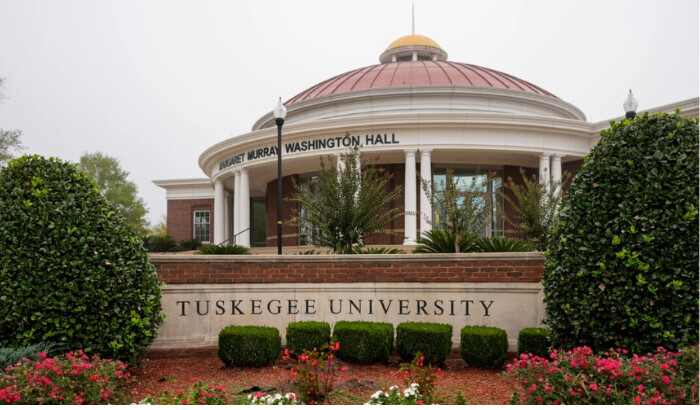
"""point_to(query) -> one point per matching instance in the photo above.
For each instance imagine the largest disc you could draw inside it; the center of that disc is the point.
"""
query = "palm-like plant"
(439, 241)
(502, 244)
(223, 250)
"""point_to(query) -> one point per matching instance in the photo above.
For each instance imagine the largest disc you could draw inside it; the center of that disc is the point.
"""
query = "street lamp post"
(279, 112)
(630, 106)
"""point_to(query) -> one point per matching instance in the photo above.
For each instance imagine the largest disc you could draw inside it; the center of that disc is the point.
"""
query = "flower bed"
(71, 379)
(582, 377)
(356, 385)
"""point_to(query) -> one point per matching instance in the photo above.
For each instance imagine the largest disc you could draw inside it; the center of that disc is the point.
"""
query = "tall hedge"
(622, 270)
(71, 271)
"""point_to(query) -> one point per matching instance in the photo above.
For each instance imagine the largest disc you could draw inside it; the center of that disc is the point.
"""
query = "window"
(309, 234)
(490, 182)
(259, 224)
(201, 226)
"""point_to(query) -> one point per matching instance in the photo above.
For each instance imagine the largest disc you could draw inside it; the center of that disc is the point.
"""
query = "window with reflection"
(488, 181)
(309, 234)
(201, 226)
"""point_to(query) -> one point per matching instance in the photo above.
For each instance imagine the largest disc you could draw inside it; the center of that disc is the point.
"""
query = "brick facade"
(181, 214)
(189, 269)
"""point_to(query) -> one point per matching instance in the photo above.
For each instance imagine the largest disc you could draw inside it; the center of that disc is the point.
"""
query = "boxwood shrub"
(433, 340)
(364, 342)
(622, 271)
(534, 340)
(72, 272)
(249, 345)
(307, 335)
(482, 346)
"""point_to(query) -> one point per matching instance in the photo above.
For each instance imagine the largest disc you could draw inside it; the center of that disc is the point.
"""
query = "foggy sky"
(155, 83)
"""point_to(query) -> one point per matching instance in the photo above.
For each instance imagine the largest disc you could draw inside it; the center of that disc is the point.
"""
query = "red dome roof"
(414, 73)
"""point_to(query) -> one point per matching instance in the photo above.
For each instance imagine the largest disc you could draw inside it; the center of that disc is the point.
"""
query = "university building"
(416, 115)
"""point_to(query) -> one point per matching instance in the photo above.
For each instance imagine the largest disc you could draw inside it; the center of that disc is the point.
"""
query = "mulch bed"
(359, 382)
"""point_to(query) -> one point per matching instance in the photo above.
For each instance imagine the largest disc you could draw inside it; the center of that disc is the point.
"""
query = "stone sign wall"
(205, 293)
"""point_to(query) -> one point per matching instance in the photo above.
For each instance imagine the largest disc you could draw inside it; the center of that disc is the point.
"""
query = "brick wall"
(181, 214)
(210, 269)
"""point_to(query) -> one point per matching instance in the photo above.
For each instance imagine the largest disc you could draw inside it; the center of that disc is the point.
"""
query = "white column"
(426, 206)
(218, 211)
(340, 164)
(227, 216)
(544, 169)
(245, 210)
(236, 204)
(556, 172)
(410, 198)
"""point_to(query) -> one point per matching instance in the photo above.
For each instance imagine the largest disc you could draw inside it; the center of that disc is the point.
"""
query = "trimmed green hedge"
(364, 342)
(307, 335)
(534, 340)
(482, 346)
(249, 345)
(433, 340)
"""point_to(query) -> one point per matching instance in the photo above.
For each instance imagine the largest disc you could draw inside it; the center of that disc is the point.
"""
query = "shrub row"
(370, 342)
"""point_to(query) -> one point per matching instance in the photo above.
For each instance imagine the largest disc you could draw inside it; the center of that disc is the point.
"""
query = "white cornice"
(689, 107)
(511, 124)
(417, 98)
(183, 182)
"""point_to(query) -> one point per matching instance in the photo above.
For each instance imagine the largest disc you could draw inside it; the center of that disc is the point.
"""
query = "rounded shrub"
(433, 340)
(249, 345)
(534, 340)
(72, 272)
(364, 342)
(307, 335)
(482, 346)
(622, 269)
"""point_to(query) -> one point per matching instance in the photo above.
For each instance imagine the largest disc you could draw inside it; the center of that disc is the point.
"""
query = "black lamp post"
(279, 112)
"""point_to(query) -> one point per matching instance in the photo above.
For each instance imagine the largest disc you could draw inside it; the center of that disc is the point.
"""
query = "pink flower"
(637, 400)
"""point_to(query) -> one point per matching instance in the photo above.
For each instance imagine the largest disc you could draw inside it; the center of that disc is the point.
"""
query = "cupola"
(413, 47)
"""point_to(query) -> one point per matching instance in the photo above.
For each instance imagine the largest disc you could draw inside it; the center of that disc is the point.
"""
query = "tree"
(160, 228)
(71, 271)
(535, 206)
(460, 209)
(622, 268)
(349, 205)
(115, 187)
(10, 140)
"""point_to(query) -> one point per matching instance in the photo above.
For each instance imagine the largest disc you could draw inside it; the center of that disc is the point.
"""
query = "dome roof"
(414, 40)
(417, 73)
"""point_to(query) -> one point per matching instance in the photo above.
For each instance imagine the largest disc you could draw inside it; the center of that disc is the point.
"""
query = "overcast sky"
(155, 83)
